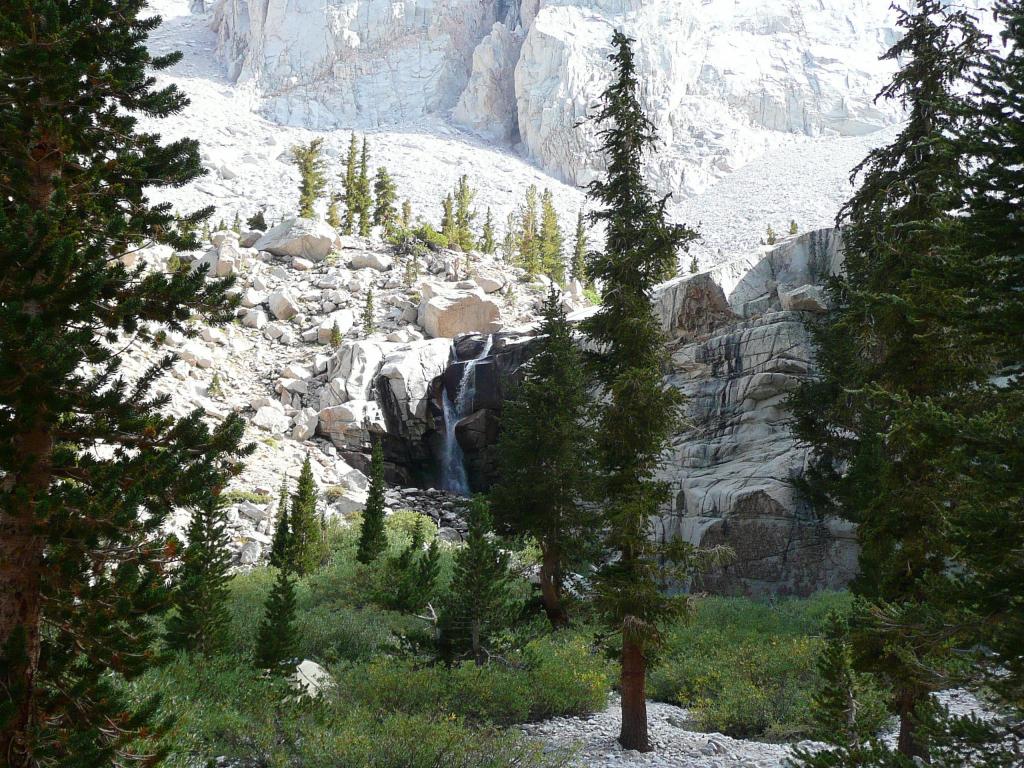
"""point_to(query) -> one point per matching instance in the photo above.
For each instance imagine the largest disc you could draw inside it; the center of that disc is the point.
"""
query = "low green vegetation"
(750, 669)
(236, 497)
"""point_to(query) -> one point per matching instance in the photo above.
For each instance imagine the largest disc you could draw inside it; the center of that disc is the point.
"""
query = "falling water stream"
(453, 464)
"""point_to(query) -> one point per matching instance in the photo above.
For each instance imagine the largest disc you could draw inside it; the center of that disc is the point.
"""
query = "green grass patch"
(747, 668)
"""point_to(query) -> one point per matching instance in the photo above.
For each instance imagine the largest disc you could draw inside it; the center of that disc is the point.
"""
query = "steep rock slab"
(732, 468)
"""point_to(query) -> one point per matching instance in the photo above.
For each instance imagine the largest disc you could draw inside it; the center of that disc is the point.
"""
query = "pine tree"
(694, 266)
(336, 337)
(258, 221)
(312, 181)
(528, 240)
(639, 413)
(793, 228)
(543, 452)
(579, 252)
(448, 228)
(770, 237)
(200, 623)
(988, 465)
(552, 258)
(351, 183)
(372, 537)
(280, 545)
(83, 544)
(412, 574)
(510, 244)
(369, 321)
(364, 196)
(306, 535)
(480, 600)
(890, 352)
(406, 214)
(384, 191)
(277, 640)
(463, 216)
(236, 224)
(333, 214)
(835, 702)
(487, 244)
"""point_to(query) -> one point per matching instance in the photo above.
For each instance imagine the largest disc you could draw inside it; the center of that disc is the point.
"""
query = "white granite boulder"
(302, 238)
(448, 312)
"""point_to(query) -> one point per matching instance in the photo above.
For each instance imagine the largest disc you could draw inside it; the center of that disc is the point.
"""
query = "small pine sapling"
(372, 536)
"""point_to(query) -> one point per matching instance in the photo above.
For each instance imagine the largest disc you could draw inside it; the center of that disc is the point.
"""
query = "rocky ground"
(301, 366)
(676, 744)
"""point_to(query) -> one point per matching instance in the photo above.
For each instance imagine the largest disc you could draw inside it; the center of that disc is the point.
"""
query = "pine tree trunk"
(22, 542)
(21, 567)
(478, 651)
(550, 589)
(907, 742)
(634, 697)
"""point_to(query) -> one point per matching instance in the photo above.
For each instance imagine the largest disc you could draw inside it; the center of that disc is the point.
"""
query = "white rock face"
(302, 238)
(722, 80)
(488, 104)
(343, 62)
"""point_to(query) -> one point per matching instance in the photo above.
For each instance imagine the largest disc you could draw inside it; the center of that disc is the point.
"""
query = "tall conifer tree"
(528, 239)
(351, 183)
(364, 194)
(448, 228)
(464, 216)
(309, 159)
(384, 214)
(892, 349)
(277, 640)
(372, 536)
(578, 270)
(543, 454)
(306, 534)
(989, 514)
(552, 256)
(487, 244)
(200, 621)
(639, 412)
(480, 599)
(280, 545)
(81, 531)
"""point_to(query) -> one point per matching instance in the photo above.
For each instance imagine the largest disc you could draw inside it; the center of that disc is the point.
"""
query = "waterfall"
(453, 464)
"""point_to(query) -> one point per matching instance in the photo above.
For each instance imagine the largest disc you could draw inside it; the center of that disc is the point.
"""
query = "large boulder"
(806, 298)
(371, 260)
(351, 424)
(448, 312)
(691, 307)
(298, 237)
(340, 318)
(283, 304)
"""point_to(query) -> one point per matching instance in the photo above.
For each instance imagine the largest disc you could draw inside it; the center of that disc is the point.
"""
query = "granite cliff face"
(723, 81)
(732, 469)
